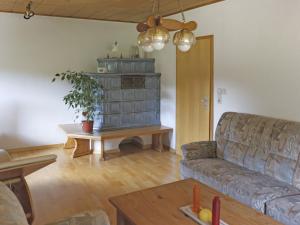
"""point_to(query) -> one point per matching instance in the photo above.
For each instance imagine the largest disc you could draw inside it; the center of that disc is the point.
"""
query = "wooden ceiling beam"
(109, 10)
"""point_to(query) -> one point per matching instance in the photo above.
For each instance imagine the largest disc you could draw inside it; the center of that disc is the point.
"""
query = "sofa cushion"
(249, 187)
(234, 136)
(286, 209)
(11, 211)
(257, 155)
(266, 145)
(216, 173)
(255, 189)
(275, 150)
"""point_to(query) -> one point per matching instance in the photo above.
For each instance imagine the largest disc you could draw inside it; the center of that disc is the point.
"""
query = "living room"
(242, 59)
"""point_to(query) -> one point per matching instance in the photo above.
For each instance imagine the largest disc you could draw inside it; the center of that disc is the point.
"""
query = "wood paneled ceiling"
(110, 10)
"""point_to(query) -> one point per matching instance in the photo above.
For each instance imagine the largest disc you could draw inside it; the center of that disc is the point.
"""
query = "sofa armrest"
(98, 217)
(23, 167)
(199, 150)
(12, 173)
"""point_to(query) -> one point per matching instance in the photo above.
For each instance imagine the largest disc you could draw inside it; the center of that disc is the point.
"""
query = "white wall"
(256, 60)
(166, 65)
(257, 52)
(31, 52)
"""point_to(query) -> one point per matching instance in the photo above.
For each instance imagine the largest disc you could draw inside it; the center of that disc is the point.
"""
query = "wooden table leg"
(157, 142)
(82, 147)
(70, 144)
(102, 153)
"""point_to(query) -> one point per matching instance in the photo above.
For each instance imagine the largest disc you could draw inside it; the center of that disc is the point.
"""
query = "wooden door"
(194, 93)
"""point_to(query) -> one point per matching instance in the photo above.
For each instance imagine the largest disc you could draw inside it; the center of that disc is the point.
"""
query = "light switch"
(220, 93)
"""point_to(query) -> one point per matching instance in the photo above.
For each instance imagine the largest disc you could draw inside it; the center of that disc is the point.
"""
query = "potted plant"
(83, 97)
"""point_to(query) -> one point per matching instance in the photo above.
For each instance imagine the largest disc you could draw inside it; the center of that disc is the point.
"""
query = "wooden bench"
(80, 142)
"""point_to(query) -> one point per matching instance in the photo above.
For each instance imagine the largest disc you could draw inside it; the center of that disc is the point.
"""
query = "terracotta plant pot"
(87, 126)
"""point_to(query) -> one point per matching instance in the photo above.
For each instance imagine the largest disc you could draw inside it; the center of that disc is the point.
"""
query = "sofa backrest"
(266, 145)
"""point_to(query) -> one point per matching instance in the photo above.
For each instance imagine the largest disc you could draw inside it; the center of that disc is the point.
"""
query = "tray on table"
(187, 210)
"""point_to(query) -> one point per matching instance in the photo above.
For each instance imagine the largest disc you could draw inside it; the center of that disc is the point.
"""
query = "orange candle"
(196, 198)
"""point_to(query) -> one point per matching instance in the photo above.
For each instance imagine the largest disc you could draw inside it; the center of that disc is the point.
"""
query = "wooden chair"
(13, 172)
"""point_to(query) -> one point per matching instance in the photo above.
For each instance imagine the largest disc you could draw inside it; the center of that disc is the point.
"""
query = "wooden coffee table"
(160, 206)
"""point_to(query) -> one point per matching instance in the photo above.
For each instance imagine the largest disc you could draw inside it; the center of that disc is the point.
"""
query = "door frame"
(211, 98)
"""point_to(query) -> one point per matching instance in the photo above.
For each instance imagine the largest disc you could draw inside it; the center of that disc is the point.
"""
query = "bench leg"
(157, 142)
(102, 153)
(82, 147)
(69, 144)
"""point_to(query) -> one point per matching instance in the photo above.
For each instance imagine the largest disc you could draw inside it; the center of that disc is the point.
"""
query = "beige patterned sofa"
(253, 159)
(11, 212)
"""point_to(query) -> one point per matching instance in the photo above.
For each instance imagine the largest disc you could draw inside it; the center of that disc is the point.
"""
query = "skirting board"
(45, 147)
(145, 147)
(34, 148)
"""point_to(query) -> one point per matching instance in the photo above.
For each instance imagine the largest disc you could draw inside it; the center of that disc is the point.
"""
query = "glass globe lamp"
(159, 37)
(144, 40)
(184, 40)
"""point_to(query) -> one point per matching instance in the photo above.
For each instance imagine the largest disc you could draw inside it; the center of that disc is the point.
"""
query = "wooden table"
(160, 206)
(80, 142)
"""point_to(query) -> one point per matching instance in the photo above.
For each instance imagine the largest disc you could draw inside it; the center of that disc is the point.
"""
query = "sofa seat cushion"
(247, 186)
(285, 209)
(216, 173)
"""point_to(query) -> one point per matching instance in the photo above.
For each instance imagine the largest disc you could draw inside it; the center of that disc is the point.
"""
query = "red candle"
(216, 208)
(196, 198)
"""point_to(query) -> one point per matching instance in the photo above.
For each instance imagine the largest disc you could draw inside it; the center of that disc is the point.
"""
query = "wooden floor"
(71, 186)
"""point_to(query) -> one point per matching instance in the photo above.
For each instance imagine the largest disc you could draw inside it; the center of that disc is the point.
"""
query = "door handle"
(205, 102)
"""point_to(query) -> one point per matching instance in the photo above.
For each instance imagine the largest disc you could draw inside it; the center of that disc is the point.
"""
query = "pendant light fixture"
(158, 34)
(145, 42)
(154, 33)
(159, 37)
(183, 39)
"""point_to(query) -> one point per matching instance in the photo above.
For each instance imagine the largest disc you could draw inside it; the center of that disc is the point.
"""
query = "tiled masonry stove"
(131, 92)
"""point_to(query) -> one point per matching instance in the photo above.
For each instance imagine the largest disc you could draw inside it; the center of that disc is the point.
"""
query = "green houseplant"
(83, 96)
